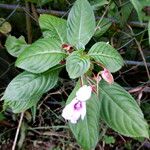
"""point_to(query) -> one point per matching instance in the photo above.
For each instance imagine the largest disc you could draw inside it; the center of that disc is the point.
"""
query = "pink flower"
(74, 110)
(77, 107)
(107, 76)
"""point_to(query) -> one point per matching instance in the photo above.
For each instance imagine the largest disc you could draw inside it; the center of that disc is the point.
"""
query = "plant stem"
(17, 132)
(144, 60)
(28, 24)
(34, 12)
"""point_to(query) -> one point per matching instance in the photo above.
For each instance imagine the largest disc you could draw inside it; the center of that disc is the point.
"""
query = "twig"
(144, 60)
(138, 63)
(49, 133)
(34, 12)
(142, 144)
(53, 93)
(146, 89)
(20, 8)
(14, 10)
(49, 127)
(17, 132)
(63, 13)
(125, 44)
(140, 50)
(100, 20)
(137, 24)
(28, 13)
(28, 24)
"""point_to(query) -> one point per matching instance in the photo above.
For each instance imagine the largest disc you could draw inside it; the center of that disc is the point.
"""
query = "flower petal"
(73, 121)
(83, 111)
(67, 112)
(84, 93)
(107, 76)
(69, 109)
(76, 116)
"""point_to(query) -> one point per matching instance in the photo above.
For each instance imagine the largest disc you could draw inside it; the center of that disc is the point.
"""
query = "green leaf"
(109, 139)
(139, 5)
(86, 131)
(121, 112)
(125, 13)
(81, 24)
(15, 46)
(53, 27)
(26, 85)
(96, 4)
(77, 64)
(104, 53)
(22, 105)
(5, 27)
(34, 112)
(102, 27)
(41, 55)
(2, 117)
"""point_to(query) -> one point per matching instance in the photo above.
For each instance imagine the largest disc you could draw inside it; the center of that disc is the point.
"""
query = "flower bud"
(107, 76)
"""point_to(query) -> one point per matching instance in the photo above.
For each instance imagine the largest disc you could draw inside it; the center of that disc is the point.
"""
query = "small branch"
(63, 13)
(100, 20)
(137, 24)
(34, 12)
(17, 132)
(146, 89)
(141, 51)
(28, 24)
(14, 10)
(144, 60)
(138, 63)
(41, 11)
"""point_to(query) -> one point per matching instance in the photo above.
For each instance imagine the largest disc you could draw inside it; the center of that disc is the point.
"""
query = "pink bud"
(68, 48)
(107, 76)
(97, 78)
